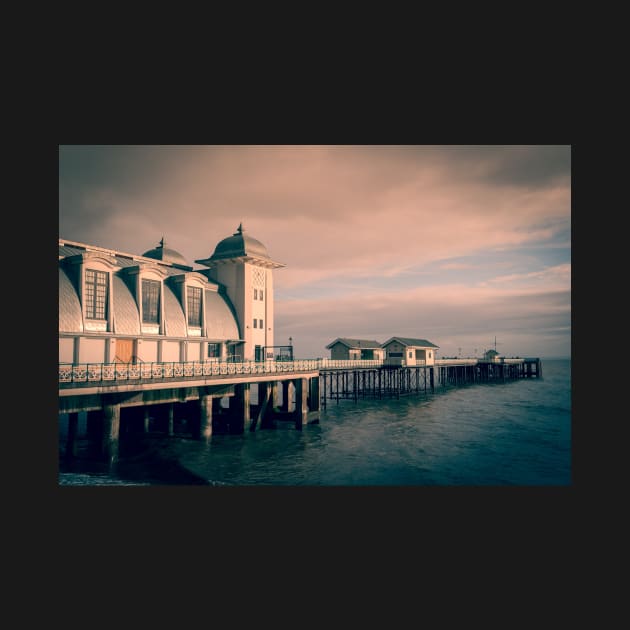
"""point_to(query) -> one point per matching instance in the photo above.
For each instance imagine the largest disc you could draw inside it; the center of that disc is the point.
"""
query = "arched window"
(96, 294)
(194, 306)
(150, 301)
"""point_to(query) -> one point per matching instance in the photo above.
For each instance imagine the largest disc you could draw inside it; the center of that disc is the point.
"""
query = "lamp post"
(291, 347)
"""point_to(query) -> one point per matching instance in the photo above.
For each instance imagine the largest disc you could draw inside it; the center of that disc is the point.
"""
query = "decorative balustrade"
(107, 372)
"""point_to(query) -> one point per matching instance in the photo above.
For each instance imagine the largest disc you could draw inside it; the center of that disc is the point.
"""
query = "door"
(124, 351)
(258, 353)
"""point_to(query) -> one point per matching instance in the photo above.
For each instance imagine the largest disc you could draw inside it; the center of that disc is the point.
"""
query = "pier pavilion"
(141, 331)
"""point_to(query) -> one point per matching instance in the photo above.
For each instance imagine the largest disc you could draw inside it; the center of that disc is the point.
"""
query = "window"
(150, 301)
(194, 306)
(255, 294)
(261, 294)
(214, 350)
(260, 323)
(96, 285)
(255, 322)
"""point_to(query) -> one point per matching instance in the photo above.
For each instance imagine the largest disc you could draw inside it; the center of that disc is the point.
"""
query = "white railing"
(326, 364)
(94, 372)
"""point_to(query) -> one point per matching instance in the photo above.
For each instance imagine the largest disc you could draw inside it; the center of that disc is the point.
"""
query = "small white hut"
(409, 351)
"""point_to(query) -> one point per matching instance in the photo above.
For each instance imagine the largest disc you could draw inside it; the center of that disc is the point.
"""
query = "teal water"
(513, 433)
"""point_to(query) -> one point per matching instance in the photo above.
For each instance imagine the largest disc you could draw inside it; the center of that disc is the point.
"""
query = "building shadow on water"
(139, 460)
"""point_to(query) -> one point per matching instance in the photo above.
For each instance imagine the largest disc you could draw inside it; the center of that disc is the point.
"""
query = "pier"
(126, 398)
(394, 381)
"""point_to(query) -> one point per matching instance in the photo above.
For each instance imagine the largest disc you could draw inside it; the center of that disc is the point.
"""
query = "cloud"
(559, 273)
(359, 228)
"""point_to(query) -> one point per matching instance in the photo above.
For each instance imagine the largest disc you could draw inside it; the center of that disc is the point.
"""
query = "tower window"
(260, 323)
(255, 294)
(194, 306)
(255, 323)
(261, 294)
(150, 301)
(96, 291)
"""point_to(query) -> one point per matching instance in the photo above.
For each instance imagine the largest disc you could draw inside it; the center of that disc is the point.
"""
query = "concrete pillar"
(111, 431)
(301, 409)
(240, 418)
(145, 414)
(314, 394)
(95, 431)
(265, 402)
(431, 378)
(275, 394)
(170, 419)
(71, 438)
(287, 395)
(205, 416)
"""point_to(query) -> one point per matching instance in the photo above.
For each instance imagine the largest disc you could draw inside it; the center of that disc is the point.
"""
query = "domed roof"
(240, 244)
(163, 253)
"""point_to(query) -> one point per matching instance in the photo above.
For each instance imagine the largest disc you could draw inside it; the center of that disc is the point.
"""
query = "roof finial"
(240, 228)
(162, 242)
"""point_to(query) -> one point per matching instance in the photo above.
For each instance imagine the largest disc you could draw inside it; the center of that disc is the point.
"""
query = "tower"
(243, 266)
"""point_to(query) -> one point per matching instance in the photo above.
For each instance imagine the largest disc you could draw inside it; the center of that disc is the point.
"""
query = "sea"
(514, 433)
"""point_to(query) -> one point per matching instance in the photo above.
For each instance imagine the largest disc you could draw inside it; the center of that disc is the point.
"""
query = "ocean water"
(497, 434)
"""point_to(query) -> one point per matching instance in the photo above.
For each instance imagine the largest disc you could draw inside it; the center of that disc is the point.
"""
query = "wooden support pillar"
(111, 432)
(71, 438)
(301, 409)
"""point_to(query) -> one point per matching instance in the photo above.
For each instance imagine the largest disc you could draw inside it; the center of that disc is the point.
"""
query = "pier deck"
(134, 394)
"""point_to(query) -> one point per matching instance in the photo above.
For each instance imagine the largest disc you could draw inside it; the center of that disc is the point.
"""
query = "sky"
(459, 245)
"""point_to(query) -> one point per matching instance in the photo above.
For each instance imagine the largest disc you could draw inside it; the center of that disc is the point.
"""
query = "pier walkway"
(139, 395)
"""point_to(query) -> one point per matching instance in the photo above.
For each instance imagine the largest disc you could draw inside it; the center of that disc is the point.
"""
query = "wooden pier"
(388, 381)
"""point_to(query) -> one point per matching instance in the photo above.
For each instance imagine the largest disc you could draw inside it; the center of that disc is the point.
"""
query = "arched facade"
(120, 307)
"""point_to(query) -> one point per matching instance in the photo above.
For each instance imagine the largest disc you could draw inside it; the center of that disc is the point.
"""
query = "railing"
(99, 372)
(456, 361)
(325, 364)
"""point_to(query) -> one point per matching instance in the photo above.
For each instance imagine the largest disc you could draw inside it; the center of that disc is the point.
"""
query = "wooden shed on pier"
(354, 349)
(409, 351)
